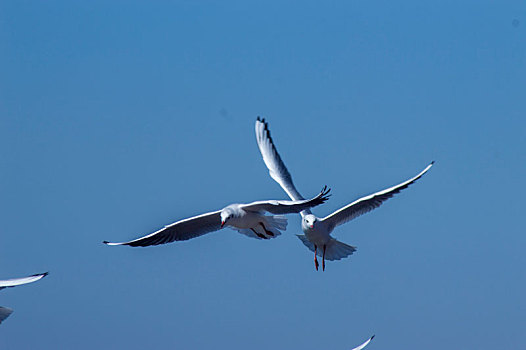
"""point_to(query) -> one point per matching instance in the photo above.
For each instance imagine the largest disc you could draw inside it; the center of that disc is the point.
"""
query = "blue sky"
(117, 118)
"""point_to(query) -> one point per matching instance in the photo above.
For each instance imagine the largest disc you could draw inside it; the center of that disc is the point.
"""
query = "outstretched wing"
(287, 207)
(4, 313)
(179, 231)
(276, 168)
(19, 281)
(364, 344)
(368, 203)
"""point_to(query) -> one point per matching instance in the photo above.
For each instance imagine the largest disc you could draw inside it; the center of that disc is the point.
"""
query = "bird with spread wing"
(317, 231)
(248, 219)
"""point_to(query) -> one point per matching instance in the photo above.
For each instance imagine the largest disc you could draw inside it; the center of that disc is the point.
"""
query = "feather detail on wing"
(287, 207)
(179, 231)
(368, 203)
(277, 169)
(20, 281)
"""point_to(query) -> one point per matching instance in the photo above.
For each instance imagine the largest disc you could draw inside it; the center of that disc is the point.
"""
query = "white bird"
(4, 311)
(248, 219)
(364, 344)
(318, 230)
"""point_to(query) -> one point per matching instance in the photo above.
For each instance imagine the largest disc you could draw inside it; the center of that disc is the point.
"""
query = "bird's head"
(225, 216)
(309, 221)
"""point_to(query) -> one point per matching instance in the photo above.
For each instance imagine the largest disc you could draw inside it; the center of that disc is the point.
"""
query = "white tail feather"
(278, 222)
(335, 250)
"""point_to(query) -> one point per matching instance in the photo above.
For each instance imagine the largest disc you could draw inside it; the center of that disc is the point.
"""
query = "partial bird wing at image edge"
(20, 281)
(364, 344)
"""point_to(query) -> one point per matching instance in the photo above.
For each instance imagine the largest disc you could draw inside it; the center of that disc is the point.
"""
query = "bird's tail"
(277, 222)
(273, 225)
(335, 250)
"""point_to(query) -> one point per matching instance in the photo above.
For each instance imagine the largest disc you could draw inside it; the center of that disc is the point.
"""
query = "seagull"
(5, 311)
(248, 219)
(317, 230)
(364, 344)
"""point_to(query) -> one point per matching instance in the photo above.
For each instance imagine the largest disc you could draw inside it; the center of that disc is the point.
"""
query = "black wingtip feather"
(373, 336)
(41, 274)
(266, 129)
(105, 242)
(259, 119)
(433, 162)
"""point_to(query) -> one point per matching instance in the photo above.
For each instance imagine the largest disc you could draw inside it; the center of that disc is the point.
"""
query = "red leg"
(323, 260)
(315, 258)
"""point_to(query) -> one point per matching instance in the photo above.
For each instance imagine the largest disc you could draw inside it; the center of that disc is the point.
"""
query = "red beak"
(222, 224)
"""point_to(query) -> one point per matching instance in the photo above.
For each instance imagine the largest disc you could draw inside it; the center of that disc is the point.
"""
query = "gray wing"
(364, 344)
(276, 168)
(368, 203)
(4, 313)
(179, 231)
(287, 207)
(19, 281)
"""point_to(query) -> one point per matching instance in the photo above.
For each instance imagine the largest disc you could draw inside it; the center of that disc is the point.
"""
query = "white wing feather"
(287, 207)
(19, 281)
(179, 231)
(368, 203)
(277, 169)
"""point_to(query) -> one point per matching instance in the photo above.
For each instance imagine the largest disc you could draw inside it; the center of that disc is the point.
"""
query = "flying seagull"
(318, 230)
(364, 344)
(5, 311)
(248, 219)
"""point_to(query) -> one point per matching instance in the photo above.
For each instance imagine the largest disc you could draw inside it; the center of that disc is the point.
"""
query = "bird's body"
(318, 235)
(254, 223)
(242, 219)
(248, 219)
(317, 231)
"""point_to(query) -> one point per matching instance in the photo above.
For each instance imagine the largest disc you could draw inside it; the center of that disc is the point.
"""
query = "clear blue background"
(119, 117)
